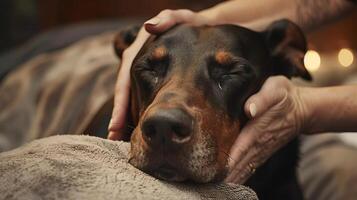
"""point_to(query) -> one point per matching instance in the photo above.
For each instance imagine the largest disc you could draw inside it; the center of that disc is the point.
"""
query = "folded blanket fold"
(84, 167)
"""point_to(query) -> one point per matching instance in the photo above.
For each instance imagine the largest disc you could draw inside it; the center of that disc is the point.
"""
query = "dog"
(188, 89)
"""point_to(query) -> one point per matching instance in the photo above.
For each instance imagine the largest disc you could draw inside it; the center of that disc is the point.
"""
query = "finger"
(240, 152)
(167, 19)
(122, 87)
(244, 153)
(240, 174)
(262, 100)
(115, 135)
(121, 99)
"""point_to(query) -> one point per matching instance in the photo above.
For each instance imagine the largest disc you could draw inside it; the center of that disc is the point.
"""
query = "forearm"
(257, 14)
(310, 14)
(330, 109)
(254, 14)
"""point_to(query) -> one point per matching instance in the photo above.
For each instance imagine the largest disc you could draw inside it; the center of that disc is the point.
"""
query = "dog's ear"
(124, 39)
(287, 45)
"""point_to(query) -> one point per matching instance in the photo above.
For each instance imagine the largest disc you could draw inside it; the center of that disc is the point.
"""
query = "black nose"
(169, 126)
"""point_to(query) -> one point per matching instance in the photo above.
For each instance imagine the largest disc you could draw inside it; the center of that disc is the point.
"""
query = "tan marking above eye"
(223, 57)
(159, 53)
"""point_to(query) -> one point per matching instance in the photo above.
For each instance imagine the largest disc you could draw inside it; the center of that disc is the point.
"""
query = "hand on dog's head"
(188, 88)
(285, 40)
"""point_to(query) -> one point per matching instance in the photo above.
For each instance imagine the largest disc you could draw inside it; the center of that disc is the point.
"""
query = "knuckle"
(186, 12)
(277, 82)
(167, 12)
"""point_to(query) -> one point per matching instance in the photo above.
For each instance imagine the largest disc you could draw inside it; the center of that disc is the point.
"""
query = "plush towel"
(85, 167)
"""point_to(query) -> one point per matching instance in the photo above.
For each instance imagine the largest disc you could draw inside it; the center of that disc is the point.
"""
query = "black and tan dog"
(188, 89)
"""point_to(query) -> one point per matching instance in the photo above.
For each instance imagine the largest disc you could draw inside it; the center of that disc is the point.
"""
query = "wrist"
(208, 17)
(307, 110)
(330, 109)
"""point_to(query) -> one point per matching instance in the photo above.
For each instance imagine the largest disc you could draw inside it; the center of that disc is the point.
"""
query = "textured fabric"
(57, 92)
(55, 40)
(84, 167)
(327, 168)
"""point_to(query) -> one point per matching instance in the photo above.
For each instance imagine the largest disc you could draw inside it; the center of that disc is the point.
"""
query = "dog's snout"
(169, 126)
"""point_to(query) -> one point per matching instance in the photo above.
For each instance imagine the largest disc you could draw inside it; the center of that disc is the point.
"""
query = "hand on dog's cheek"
(122, 87)
(277, 116)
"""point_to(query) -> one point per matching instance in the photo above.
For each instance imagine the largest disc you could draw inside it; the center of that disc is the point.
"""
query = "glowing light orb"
(345, 57)
(312, 60)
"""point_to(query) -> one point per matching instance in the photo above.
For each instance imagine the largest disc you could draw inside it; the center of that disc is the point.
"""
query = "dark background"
(22, 19)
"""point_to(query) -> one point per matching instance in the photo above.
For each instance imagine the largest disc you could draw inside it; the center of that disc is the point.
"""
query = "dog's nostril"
(167, 126)
(149, 131)
(180, 134)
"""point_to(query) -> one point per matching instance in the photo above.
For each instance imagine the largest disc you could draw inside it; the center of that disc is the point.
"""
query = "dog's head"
(188, 90)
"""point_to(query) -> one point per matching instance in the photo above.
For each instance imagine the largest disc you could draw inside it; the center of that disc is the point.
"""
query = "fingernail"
(154, 21)
(110, 135)
(110, 124)
(252, 109)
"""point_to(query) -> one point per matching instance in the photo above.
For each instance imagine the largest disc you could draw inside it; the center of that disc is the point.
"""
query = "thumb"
(121, 101)
(117, 122)
(262, 101)
(122, 87)
(167, 19)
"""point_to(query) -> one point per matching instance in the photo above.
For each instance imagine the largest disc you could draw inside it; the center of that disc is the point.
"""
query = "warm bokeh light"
(312, 60)
(345, 57)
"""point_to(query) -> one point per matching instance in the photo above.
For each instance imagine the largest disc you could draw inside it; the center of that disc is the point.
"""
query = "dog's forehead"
(188, 46)
(205, 40)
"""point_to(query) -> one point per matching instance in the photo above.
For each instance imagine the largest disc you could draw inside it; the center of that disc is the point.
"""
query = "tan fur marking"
(159, 53)
(223, 57)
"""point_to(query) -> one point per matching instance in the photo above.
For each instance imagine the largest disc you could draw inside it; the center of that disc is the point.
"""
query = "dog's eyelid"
(228, 64)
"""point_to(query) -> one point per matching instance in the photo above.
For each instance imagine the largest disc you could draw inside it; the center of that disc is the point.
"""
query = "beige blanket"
(84, 167)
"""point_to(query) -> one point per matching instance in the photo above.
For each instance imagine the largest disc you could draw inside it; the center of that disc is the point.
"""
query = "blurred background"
(331, 59)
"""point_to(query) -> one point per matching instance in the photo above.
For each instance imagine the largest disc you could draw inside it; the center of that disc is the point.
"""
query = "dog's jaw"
(197, 163)
(202, 162)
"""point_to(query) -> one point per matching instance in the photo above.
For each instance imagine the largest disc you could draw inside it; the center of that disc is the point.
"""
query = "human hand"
(158, 24)
(278, 115)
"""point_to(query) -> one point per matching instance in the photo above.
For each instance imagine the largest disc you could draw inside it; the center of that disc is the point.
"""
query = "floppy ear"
(287, 46)
(124, 39)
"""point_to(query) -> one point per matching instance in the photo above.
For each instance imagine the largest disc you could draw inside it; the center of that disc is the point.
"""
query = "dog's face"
(188, 90)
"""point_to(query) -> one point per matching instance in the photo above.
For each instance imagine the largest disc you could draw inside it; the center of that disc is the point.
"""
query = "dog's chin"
(162, 172)
(170, 174)
(167, 172)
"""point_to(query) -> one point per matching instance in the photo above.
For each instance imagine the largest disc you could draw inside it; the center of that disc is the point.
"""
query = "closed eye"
(227, 72)
(236, 73)
(151, 70)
